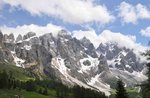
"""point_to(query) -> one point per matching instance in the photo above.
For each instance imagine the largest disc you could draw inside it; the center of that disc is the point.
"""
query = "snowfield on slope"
(58, 63)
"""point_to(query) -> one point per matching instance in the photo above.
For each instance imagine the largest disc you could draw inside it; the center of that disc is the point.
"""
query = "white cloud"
(72, 11)
(39, 30)
(132, 13)
(146, 32)
(1, 7)
(127, 41)
(106, 36)
(91, 35)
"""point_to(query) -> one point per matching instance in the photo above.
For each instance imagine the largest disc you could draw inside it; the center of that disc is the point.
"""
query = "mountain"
(72, 61)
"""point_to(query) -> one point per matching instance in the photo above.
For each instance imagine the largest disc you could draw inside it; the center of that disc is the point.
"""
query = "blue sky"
(128, 17)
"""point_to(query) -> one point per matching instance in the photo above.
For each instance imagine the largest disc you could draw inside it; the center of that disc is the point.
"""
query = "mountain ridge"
(73, 61)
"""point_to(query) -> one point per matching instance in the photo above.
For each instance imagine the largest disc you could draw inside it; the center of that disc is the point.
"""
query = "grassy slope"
(4, 93)
(18, 73)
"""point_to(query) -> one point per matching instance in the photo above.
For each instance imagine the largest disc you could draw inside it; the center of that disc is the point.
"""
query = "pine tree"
(4, 79)
(45, 91)
(58, 92)
(30, 85)
(121, 92)
(40, 91)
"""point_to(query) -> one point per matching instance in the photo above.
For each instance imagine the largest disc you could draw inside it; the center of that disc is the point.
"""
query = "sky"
(127, 22)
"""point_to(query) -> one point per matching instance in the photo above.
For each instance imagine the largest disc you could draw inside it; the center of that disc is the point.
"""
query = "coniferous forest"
(8, 81)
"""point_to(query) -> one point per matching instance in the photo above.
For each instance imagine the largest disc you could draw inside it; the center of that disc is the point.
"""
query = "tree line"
(8, 81)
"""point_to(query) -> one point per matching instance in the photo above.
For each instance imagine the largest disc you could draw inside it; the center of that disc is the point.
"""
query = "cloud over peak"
(39, 30)
(128, 41)
(71, 11)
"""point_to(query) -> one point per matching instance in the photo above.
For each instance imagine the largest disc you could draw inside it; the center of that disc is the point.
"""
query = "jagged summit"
(29, 35)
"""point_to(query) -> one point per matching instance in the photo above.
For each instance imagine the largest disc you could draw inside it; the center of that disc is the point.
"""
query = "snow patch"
(19, 41)
(128, 66)
(28, 39)
(59, 64)
(27, 47)
(8, 41)
(138, 76)
(6, 60)
(97, 83)
(111, 63)
(19, 62)
(124, 53)
(52, 43)
(93, 63)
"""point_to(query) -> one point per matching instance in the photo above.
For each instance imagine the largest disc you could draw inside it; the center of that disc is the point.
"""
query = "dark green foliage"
(121, 92)
(9, 81)
(62, 91)
(40, 91)
(80, 92)
(30, 85)
(45, 91)
(6, 80)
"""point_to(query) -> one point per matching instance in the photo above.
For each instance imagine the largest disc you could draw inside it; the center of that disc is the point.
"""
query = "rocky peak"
(101, 48)
(85, 41)
(1, 36)
(47, 38)
(103, 65)
(49, 42)
(102, 60)
(110, 50)
(64, 34)
(9, 38)
(19, 38)
(89, 47)
(29, 35)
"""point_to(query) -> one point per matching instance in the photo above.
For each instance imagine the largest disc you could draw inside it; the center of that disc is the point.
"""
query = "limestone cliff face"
(72, 61)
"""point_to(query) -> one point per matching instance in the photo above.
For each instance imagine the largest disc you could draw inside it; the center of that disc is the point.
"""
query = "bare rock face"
(9, 38)
(29, 35)
(49, 42)
(5, 56)
(120, 58)
(103, 65)
(1, 37)
(19, 38)
(5, 53)
(89, 47)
